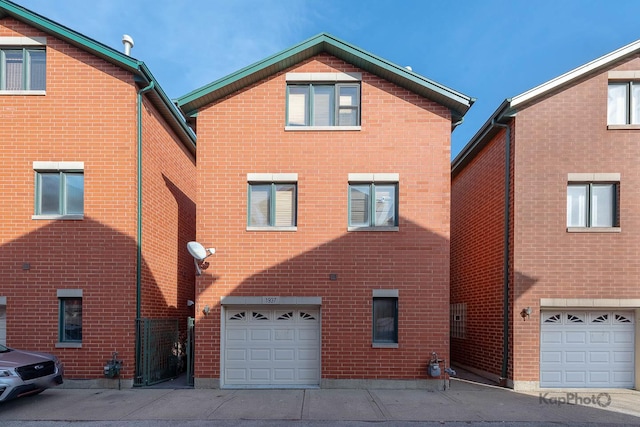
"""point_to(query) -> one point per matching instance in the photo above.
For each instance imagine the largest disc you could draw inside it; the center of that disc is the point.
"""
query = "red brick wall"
(169, 221)
(477, 256)
(401, 133)
(564, 133)
(89, 114)
(567, 133)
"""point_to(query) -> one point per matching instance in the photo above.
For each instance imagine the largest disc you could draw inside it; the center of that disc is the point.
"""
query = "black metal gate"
(190, 349)
(156, 360)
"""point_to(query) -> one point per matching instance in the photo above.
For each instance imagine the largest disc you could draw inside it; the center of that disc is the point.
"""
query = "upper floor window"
(323, 100)
(59, 190)
(272, 201)
(623, 107)
(592, 204)
(22, 69)
(373, 201)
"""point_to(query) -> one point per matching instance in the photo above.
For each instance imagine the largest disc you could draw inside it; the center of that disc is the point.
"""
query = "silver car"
(27, 372)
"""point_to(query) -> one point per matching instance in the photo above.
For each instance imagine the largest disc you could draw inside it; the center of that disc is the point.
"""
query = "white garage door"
(587, 349)
(267, 347)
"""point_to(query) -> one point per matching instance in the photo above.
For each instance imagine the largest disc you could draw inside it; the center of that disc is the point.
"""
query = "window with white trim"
(623, 105)
(59, 190)
(323, 100)
(272, 201)
(373, 201)
(592, 204)
(22, 69)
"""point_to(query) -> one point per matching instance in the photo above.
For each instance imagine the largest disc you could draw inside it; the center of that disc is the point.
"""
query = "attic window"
(22, 65)
(323, 101)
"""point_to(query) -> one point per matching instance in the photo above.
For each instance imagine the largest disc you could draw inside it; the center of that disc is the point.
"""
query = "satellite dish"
(197, 250)
(199, 254)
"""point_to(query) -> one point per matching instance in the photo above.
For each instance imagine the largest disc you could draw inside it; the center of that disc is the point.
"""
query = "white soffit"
(575, 73)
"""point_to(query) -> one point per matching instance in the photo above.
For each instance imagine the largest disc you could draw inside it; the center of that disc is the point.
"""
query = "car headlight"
(5, 373)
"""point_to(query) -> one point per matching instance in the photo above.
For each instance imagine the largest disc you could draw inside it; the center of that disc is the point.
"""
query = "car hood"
(15, 358)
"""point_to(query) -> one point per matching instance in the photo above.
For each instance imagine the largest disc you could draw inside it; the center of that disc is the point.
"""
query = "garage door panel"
(599, 357)
(234, 334)
(599, 377)
(575, 377)
(260, 334)
(284, 374)
(282, 347)
(551, 337)
(259, 374)
(551, 357)
(587, 349)
(623, 357)
(236, 355)
(623, 337)
(599, 337)
(284, 334)
(236, 374)
(575, 357)
(259, 354)
(286, 354)
(574, 337)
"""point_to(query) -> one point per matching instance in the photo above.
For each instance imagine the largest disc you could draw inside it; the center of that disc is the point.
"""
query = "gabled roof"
(456, 101)
(510, 106)
(138, 68)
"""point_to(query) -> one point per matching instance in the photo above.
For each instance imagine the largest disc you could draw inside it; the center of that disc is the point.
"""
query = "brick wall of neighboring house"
(89, 115)
(477, 257)
(401, 133)
(169, 221)
(567, 133)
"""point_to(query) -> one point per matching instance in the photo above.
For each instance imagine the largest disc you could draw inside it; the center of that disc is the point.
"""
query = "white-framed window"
(385, 318)
(272, 202)
(23, 69)
(323, 100)
(59, 190)
(373, 202)
(592, 201)
(623, 104)
(70, 317)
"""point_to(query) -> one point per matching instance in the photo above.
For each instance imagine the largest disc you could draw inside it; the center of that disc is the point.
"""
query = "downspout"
(139, 231)
(505, 278)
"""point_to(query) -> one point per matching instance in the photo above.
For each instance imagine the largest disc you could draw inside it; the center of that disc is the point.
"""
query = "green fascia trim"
(170, 105)
(101, 50)
(319, 43)
(68, 34)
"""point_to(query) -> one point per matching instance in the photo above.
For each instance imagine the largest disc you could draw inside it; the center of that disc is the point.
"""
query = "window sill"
(594, 229)
(62, 217)
(23, 92)
(68, 345)
(272, 228)
(311, 128)
(386, 228)
(384, 345)
(623, 127)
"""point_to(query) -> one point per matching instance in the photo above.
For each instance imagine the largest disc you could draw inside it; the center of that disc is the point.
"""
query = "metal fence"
(157, 360)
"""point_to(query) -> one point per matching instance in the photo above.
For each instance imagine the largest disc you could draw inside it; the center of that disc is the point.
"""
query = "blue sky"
(486, 49)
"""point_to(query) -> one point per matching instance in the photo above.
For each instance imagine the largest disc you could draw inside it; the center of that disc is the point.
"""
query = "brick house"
(544, 233)
(98, 193)
(313, 283)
